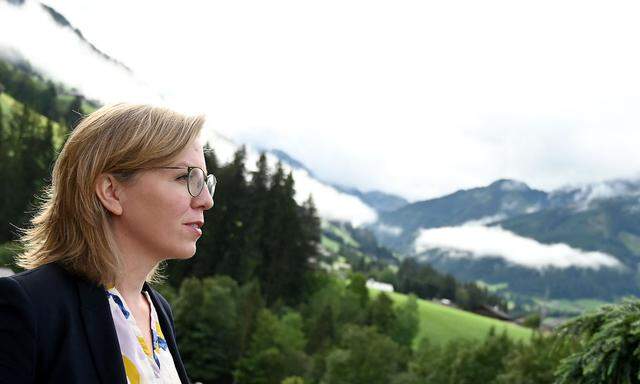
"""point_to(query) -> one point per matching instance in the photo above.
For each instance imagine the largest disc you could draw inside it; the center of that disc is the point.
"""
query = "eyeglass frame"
(189, 169)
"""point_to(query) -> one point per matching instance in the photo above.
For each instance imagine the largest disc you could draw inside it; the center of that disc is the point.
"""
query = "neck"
(135, 267)
(131, 283)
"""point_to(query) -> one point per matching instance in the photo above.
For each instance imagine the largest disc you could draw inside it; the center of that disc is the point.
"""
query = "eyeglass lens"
(197, 182)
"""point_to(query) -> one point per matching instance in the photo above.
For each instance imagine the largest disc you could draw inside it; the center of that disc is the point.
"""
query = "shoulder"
(49, 294)
(44, 283)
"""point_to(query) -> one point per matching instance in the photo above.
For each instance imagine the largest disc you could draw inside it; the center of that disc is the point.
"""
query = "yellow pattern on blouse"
(142, 366)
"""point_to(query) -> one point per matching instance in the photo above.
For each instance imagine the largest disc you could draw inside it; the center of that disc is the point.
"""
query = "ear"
(108, 190)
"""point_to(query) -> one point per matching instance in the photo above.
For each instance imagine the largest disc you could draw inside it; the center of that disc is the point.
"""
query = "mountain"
(501, 199)
(62, 21)
(287, 159)
(575, 242)
(380, 201)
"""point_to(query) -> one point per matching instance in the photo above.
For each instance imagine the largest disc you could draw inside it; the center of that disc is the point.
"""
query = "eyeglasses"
(197, 179)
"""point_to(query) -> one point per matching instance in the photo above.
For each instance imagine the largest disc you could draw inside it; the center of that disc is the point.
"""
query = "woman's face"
(159, 217)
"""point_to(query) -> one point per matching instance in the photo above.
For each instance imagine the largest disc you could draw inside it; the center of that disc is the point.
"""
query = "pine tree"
(381, 314)
(284, 266)
(609, 346)
(311, 230)
(536, 361)
(47, 102)
(74, 112)
(258, 211)
(323, 332)
(358, 285)
(249, 305)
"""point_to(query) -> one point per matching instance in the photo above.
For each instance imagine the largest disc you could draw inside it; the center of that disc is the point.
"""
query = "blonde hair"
(71, 225)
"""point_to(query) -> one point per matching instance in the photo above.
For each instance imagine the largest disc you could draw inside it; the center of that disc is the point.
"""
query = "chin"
(184, 253)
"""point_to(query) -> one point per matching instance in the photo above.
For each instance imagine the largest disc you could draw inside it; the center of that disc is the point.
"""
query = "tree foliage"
(206, 318)
(276, 350)
(427, 283)
(26, 156)
(609, 346)
(364, 356)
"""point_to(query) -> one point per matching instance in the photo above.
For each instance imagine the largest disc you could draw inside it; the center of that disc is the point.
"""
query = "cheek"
(159, 210)
(171, 209)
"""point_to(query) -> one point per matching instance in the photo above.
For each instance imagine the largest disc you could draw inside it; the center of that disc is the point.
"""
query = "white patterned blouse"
(141, 365)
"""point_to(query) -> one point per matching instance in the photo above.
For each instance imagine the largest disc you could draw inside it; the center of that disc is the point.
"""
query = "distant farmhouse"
(379, 286)
(494, 312)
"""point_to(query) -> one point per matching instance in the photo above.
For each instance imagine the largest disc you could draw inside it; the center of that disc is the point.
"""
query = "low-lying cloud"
(29, 32)
(585, 194)
(479, 241)
(388, 229)
(330, 203)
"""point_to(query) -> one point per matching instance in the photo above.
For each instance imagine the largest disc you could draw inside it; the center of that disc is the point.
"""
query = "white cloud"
(330, 203)
(415, 98)
(607, 190)
(62, 55)
(481, 242)
(485, 220)
(512, 185)
(388, 229)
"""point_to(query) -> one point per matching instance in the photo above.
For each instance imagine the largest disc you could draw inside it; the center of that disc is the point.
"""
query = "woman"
(129, 190)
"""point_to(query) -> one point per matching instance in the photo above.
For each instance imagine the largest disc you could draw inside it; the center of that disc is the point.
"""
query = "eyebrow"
(186, 165)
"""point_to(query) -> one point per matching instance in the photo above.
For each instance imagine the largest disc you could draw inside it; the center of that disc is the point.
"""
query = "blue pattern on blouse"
(120, 304)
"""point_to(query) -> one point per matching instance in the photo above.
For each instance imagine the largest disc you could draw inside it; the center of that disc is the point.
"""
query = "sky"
(416, 98)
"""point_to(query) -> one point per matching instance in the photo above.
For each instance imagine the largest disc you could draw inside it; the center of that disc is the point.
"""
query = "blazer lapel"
(167, 330)
(101, 333)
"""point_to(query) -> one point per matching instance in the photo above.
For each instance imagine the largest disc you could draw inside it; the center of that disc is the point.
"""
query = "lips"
(196, 227)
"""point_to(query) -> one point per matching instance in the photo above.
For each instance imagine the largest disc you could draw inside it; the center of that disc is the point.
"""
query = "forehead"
(191, 156)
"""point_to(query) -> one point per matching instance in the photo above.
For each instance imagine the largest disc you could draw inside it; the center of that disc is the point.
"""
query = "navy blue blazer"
(57, 328)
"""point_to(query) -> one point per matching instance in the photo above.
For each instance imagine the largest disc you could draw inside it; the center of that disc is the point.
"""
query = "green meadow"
(441, 324)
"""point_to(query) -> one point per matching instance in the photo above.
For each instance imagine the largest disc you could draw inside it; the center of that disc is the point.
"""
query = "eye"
(183, 177)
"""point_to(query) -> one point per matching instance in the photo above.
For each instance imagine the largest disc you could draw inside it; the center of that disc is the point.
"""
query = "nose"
(204, 200)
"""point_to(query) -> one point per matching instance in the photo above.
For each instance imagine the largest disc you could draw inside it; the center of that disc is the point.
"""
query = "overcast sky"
(417, 98)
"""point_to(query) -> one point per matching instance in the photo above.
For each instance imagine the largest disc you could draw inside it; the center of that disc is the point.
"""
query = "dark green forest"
(253, 305)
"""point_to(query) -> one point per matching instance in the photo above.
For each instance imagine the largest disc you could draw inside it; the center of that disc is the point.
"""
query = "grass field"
(441, 324)
(571, 307)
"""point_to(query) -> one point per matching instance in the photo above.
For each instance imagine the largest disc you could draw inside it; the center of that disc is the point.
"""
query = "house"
(379, 286)
(494, 312)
